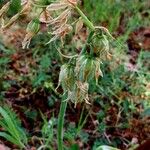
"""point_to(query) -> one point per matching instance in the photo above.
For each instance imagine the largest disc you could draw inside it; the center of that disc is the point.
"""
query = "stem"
(85, 19)
(61, 116)
(88, 41)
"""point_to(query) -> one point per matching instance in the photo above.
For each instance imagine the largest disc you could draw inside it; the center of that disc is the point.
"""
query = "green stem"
(61, 116)
(85, 19)
(88, 41)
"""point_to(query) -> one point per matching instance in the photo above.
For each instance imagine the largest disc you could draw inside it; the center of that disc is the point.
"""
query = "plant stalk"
(61, 116)
(85, 19)
(87, 42)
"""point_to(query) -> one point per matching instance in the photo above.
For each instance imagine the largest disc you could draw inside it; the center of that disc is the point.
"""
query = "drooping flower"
(101, 47)
(80, 93)
(88, 68)
(60, 25)
(66, 77)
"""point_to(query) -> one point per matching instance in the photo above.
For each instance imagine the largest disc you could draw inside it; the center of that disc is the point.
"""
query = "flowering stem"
(85, 19)
(61, 116)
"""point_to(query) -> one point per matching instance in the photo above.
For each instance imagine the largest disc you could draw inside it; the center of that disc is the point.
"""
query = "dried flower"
(26, 7)
(101, 47)
(80, 93)
(88, 68)
(60, 25)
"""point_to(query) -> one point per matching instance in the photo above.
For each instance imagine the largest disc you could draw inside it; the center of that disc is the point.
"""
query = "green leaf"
(9, 123)
(10, 139)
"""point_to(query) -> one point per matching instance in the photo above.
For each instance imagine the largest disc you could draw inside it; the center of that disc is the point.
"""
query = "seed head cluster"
(76, 75)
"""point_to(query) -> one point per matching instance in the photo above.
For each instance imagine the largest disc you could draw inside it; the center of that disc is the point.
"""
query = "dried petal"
(66, 77)
(82, 91)
(26, 8)
(79, 26)
(57, 6)
(45, 17)
(32, 29)
(4, 9)
(61, 32)
(64, 15)
(11, 21)
(27, 40)
(73, 2)
(98, 71)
